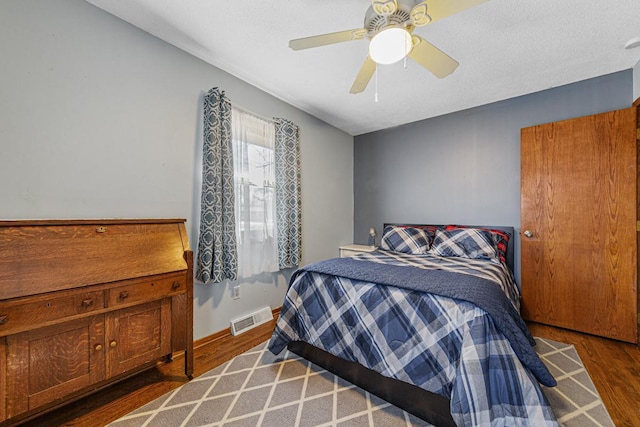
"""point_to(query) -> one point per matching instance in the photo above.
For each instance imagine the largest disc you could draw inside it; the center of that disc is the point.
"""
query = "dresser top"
(49, 255)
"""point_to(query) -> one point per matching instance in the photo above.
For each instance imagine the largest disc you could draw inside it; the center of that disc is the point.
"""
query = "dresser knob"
(3, 320)
(124, 294)
(98, 347)
(112, 344)
(175, 285)
(87, 302)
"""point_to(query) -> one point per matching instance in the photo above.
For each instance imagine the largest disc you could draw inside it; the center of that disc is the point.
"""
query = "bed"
(429, 322)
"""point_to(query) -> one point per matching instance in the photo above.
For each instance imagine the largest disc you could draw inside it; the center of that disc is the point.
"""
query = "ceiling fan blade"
(438, 9)
(432, 58)
(384, 7)
(325, 39)
(364, 75)
(419, 15)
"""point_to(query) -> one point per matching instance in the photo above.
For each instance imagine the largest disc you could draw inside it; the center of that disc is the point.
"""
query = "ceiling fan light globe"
(390, 45)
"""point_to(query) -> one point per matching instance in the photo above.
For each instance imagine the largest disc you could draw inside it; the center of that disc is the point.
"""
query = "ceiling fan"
(389, 25)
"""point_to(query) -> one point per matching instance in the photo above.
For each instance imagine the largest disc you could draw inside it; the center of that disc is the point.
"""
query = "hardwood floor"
(613, 366)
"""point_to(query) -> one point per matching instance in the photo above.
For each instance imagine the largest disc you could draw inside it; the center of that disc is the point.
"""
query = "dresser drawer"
(148, 290)
(29, 313)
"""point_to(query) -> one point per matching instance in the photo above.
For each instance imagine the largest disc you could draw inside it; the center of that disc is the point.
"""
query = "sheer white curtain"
(254, 175)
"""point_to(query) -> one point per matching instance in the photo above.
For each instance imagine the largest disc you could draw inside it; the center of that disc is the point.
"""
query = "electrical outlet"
(236, 292)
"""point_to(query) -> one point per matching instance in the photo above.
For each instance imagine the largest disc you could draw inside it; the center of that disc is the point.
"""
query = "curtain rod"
(246, 110)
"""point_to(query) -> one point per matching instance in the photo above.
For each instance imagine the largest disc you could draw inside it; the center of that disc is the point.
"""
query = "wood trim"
(227, 346)
(636, 103)
(225, 334)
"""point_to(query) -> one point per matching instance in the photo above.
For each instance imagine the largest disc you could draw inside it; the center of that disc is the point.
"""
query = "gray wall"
(99, 119)
(464, 167)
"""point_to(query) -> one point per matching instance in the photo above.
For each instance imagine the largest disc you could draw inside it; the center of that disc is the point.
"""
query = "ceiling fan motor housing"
(375, 23)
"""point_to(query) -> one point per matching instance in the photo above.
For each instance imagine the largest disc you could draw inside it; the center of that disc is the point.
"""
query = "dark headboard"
(505, 229)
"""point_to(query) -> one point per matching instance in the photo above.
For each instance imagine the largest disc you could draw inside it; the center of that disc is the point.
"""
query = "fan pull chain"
(376, 96)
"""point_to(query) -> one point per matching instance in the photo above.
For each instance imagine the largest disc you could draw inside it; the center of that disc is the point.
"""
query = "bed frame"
(424, 404)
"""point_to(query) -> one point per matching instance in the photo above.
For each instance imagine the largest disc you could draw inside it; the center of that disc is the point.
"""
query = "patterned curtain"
(288, 193)
(217, 252)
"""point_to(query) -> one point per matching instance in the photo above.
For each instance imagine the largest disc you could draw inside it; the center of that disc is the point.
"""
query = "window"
(253, 141)
(242, 153)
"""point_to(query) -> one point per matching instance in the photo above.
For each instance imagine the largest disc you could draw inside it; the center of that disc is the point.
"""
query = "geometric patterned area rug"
(257, 388)
(575, 400)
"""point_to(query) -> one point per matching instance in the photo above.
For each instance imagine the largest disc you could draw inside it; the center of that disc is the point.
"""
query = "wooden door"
(137, 336)
(578, 219)
(46, 364)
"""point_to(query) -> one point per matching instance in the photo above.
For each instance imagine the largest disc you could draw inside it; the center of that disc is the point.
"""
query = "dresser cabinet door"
(47, 364)
(137, 336)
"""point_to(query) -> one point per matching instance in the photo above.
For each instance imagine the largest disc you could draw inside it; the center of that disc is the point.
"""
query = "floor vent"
(250, 321)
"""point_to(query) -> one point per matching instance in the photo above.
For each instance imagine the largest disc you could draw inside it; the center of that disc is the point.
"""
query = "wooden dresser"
(85, 303)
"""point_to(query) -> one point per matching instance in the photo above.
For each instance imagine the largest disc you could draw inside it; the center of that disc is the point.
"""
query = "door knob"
(528, 233)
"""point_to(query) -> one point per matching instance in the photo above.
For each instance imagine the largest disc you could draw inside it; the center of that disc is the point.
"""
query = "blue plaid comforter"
(447, 346)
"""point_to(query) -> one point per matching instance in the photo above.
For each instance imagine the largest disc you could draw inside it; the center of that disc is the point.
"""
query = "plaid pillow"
(430, 229)
(466, 243)
(405, 239)
(500, 238)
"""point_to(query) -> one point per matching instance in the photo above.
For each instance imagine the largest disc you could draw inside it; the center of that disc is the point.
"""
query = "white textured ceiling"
(505, 48)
